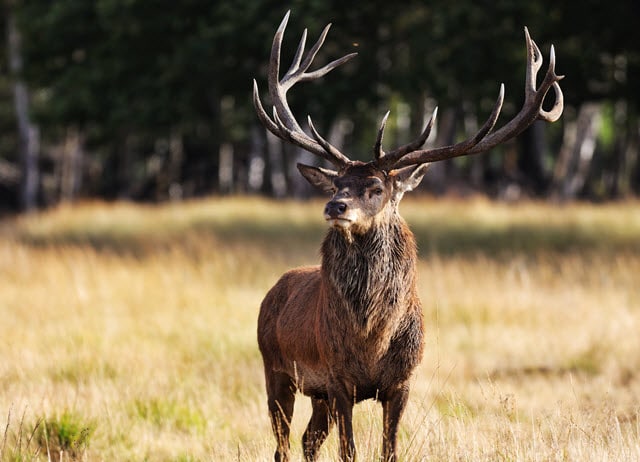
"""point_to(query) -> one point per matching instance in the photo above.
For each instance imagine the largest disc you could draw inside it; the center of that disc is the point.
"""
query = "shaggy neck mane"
(372, 274)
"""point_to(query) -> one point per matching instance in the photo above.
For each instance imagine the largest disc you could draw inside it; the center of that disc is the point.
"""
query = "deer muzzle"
(334, 210)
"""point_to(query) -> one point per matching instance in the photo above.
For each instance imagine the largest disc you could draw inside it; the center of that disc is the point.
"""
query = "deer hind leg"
(280, 399)
(318, 428)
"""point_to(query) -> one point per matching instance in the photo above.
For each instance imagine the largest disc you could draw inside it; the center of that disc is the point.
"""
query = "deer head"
(363, 191)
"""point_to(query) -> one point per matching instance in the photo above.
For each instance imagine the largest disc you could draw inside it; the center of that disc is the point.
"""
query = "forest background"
(128, 330)
(150, 100)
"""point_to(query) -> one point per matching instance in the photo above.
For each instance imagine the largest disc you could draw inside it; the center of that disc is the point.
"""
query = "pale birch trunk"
(28, 134)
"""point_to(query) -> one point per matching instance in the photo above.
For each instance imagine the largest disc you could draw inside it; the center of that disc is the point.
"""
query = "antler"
(284, 124)
(483, 140)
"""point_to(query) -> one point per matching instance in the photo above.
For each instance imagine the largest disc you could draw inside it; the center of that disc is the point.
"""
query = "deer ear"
(408, 178)
(321, 178)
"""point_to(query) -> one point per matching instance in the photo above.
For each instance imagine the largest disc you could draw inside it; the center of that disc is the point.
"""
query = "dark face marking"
(361, 192)
(359, 195)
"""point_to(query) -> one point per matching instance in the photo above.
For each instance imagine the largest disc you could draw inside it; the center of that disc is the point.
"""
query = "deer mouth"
(338, 222)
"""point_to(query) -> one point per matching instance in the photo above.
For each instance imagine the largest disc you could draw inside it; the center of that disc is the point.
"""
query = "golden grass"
(136, 324)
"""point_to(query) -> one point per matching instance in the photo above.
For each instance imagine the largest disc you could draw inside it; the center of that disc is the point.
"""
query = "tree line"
(151, 99)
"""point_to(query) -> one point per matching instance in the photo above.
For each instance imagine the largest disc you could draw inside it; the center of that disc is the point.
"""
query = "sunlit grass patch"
(452, 406)
(77, 370)
(171, 413)
(589, 361)
(67, 434)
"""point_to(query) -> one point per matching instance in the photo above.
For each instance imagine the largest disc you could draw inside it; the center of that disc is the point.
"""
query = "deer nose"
(334, 209)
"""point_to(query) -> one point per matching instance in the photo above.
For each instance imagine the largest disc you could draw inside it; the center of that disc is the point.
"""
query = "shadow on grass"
(523, 239)
(446, 239)
(197, 236)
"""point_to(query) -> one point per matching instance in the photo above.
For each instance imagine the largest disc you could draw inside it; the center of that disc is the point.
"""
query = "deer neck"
(370, 275)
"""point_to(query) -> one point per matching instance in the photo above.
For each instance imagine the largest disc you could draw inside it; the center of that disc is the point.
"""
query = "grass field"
(127, 332)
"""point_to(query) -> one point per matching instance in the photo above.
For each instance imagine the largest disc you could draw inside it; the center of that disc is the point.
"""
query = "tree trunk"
(277, 177)
(634, 148)
(28, 134)
(71, 166)
(577, 151)
(256, 169)
(205, 163)
(477, 163)
(531, 159)
(174, 165)
(225, 168)
(436, 180)
(624, 152)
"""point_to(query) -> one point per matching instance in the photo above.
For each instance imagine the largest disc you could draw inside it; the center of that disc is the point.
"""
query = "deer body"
(355, 322)
(352, 328)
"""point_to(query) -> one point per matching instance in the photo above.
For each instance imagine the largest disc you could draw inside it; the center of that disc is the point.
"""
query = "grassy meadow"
(127, 332)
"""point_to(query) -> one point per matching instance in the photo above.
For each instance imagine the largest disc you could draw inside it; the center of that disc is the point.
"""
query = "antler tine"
(534, 60)
(321, 147)
(262, 114)
(284, 124)
(378, 153)
(298, 56)
(278, 89)
(558, 106)
(326, 68)
(556, 111)
(331, 150)
(300, 139)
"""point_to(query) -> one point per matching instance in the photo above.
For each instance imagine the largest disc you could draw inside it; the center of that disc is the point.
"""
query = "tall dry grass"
(128, 332)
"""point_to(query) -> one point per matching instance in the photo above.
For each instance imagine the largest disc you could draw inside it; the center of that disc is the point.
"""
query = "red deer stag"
(352, 328)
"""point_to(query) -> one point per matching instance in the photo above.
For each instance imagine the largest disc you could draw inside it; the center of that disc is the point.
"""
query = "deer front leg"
(341, 406)
(392, 408)
(280, 399)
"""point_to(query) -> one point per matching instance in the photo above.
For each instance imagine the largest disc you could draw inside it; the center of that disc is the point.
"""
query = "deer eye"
(377, 191)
